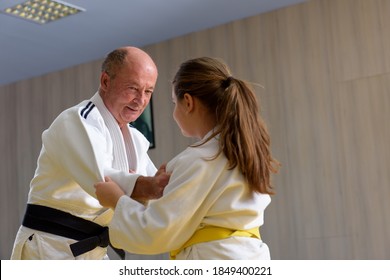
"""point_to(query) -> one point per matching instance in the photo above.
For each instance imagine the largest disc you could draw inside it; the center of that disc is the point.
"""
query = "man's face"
(129, 92)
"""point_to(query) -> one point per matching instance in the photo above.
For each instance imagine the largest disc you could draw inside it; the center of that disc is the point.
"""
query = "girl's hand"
(108, 193)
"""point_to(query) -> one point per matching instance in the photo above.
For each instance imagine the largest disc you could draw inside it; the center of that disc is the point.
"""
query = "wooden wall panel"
(9, 193)
(359, 37)
(364, 133)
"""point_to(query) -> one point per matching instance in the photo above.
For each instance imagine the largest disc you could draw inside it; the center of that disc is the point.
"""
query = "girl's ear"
(188, 102)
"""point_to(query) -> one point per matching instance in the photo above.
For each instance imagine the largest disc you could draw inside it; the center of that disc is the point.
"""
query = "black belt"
(89, 234)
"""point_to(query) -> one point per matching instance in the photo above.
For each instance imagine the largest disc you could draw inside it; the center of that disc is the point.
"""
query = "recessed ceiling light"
(43, 11)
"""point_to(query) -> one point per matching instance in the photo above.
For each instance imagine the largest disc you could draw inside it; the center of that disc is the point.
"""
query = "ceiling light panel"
(43, 11)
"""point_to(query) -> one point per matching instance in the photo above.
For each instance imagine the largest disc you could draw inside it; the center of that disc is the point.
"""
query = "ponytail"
(244, 137)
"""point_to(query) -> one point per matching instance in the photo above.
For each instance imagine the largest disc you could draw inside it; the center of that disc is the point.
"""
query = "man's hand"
(147, 188)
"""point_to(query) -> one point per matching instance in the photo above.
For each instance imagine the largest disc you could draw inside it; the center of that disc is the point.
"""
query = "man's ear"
(189, 102)
(104, 80)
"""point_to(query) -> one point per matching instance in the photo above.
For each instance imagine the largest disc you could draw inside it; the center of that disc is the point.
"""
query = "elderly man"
(84, 144)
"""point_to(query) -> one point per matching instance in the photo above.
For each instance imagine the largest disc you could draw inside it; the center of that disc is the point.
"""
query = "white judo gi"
(201, 193)
(83, 144)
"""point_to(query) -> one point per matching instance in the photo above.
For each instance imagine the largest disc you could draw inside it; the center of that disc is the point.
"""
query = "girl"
(219, 187)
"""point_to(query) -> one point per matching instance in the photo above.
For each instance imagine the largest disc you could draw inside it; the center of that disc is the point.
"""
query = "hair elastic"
(226, 83)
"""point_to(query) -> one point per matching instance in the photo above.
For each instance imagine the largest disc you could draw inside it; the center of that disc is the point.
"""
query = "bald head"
(127, 55)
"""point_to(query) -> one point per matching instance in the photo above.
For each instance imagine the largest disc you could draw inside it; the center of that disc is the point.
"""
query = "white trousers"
(33, 244)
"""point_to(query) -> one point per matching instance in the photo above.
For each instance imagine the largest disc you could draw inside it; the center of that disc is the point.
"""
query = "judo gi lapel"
(120, 161)
(130, 148)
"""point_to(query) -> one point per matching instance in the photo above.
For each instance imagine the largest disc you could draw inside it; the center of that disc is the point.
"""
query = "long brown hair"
(244, 138)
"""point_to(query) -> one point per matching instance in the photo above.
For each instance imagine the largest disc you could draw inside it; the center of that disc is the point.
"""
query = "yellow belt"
(210, 233)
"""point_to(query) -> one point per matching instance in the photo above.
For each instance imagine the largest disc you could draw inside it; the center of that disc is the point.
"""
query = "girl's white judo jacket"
(201, 192)
(82, 145)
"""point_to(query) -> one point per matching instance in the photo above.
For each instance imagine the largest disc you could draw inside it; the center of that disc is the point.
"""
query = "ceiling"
(28, 49)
